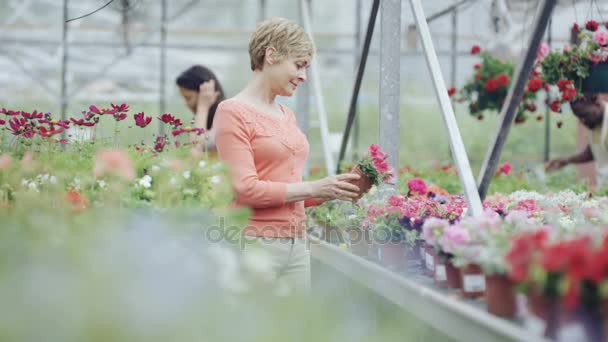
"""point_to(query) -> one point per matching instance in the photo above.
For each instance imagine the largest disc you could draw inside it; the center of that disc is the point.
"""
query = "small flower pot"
(453, 274)
(392, 254)
(500, 297)
(441, 271)
(473, 281)
(364, 183)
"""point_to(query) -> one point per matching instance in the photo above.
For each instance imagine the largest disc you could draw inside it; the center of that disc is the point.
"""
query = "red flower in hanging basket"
(556, 106)
(568, 94)
(592, 25)
(535, 84)
(475, 49)
(451, 91)
(502, 80)
(491, 85)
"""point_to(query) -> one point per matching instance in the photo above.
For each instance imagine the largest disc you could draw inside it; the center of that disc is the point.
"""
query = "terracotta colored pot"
(441, 271)
(473, 281)
(392, 254)
(429, 261)
(545, 308)
(364, 183)
(453, 274)
(360, 242)
(500, 297)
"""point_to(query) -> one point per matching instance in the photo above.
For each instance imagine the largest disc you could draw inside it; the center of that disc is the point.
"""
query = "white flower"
(216, 179)
(186, 174)
(155, 168)
(101, 183)
(24, 182)
(53, 180)
(43, 178)
(32, 186)
(146, 181)
(202, 164)
(173, 181)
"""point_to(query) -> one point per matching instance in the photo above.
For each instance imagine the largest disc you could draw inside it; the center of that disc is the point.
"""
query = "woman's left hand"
(207, 95)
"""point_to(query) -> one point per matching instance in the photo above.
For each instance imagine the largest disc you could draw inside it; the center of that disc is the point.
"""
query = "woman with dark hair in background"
(202, 92)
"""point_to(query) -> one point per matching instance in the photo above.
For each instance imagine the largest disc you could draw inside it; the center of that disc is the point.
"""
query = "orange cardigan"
(264, 154)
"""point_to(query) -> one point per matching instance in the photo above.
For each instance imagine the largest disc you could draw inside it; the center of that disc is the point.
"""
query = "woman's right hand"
(337, 187)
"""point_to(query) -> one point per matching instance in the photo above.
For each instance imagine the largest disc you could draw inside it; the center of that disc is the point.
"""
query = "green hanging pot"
(597, 81)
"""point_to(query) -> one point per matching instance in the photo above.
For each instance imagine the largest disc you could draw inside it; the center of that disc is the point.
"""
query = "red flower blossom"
(19, 126)
(477, 66)
(141, 120)
(606, 25)
(33, 115)
(502, 80)
(159, 144)
(575, 27)
(170, 119)
(568, 94)
(563, 84)
(535, 84)
(77, 200)
(82, 122)
(475, 49)
(592, 25)
(94, 109)
(491, 85)
(123, 108)
(2, 122)
(49, 132)
(451, 91)
(9, 112)
(522, 251)
(556, 106)
(504, 169)
(188, 129)
(477, 76)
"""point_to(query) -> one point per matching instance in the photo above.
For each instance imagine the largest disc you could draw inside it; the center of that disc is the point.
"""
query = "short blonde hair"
(286, 37)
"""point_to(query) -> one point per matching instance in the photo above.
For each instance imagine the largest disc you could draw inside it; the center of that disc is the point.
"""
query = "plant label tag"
(440, 274)
(474, 283)
(429, 262)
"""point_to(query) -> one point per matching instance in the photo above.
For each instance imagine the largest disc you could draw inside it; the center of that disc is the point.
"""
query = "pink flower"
(416, 186)
(123, 108)
(94, 109)
(504, 169)
(5, 161)
(115, 162)
(141, 120)
(453, 236)
(381, 166)
(396, 201)
(543, 51)
(82, 122)
(601, 37)
(119, 117)
(432, 227)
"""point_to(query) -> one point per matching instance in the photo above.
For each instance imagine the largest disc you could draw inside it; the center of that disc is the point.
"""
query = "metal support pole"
(362, 62)
(64, 62)
(514, 96)
(262, 11)
(357, 129)
(547, 110)
(454, 48)
(390, 72)
(303, 101)
(163, 63)
(456, 144)
(316, 85)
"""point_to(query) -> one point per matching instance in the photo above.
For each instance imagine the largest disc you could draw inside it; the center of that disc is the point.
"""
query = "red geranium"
(451, 91)
(535, 84)
(592, 25)
(475, 49)
(491, 85)
(502, 80)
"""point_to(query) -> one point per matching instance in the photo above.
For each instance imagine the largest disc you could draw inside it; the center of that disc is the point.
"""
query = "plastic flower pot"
(500, 297)
(392, 254)
(473, 281)
(453, 275)
(441, 271)
(364, 183)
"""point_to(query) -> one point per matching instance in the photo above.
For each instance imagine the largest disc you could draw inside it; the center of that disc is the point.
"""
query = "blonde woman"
(259, 140)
